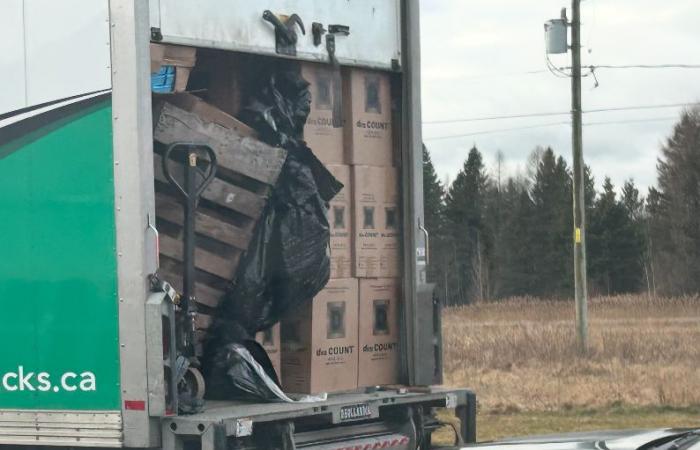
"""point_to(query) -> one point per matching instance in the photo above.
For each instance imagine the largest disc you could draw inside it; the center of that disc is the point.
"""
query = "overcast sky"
(474, 53)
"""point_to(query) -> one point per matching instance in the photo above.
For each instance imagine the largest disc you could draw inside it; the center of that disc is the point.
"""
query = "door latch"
(285, 35)
(317, 31)
(333, 31)
(342, 30)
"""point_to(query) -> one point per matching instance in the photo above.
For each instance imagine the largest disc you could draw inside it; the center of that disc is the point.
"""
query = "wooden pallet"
(231, 205)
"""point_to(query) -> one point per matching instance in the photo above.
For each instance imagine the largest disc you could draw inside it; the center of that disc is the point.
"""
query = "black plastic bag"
(237, 372)
(288, 261)
(279, 106)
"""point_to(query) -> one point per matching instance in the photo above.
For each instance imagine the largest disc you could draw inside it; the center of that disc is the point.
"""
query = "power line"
(500, 130)
(503, 75)
(644, 66)
(550, 124)
(561, 113)
(594, 67)
(590, 67)
(640, 107)
(480, 119)
(622, 122)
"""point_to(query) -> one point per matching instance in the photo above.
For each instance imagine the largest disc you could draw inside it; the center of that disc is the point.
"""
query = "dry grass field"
(520, 357)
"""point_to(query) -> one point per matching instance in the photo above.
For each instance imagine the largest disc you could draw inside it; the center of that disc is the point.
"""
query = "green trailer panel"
(58, 274)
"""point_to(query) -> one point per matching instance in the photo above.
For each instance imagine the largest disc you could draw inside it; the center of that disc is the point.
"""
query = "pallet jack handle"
(194, 154)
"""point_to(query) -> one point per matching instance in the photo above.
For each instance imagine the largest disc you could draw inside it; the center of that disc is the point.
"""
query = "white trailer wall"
(51, 50)
(374, 41)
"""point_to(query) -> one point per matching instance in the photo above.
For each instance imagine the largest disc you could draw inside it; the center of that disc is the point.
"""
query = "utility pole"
(581, 294)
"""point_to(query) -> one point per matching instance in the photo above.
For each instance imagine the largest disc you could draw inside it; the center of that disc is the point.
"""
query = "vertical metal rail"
(412, 181)
(134, 204)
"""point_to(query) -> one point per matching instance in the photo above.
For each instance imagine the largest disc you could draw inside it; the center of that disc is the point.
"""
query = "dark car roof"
(594, 440)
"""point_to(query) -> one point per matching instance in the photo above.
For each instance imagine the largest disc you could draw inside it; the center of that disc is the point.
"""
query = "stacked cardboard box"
(226, 80)
(181, 57)
(321, 352)
(376, 222)
(379, 331)
(341, 221)
(319, 343)
(370, 149)
(390, 250)
(368, 126)
(323, 131)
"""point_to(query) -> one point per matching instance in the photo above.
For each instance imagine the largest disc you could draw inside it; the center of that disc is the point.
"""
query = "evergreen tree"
(501, 238)
(654, 238)
(634, 207)
(593, 239)
(633, 203)
(512, 252)
(434, 212)
(433, 195)
(496, 211)
(677, 230)
(598, 253)
(589, 192)
(552, 226)
(465, 203)
(615, 257)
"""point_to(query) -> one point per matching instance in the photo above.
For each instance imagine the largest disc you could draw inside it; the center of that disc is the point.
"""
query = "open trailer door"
(59, 371)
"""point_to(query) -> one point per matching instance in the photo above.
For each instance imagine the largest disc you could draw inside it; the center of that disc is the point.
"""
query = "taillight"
(388, 442)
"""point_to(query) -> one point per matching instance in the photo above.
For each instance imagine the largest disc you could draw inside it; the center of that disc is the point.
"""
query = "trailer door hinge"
(285, 34)
(156, 34)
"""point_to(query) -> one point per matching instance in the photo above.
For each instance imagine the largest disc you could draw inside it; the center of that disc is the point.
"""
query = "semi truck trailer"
(86, 359)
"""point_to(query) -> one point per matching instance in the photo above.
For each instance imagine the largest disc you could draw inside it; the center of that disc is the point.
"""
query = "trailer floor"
(236, 418)
(226, 410)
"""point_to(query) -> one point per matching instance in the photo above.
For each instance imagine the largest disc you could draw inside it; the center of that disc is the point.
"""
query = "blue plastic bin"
(163, 81)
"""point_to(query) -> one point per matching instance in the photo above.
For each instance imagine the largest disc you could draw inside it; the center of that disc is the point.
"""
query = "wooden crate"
(230, 207)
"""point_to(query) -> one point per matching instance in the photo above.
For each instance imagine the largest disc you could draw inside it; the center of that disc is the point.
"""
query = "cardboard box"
(368, 196)
(323, 131)
(379, 332)
(368, 128)
(157, 56)
(270, 340)
(319, 343)
(390, 245)
(183, 58)
(173, 55)
(340, 220)
(225, 72)
(209, 113)
(182, 76)
(377, 222)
